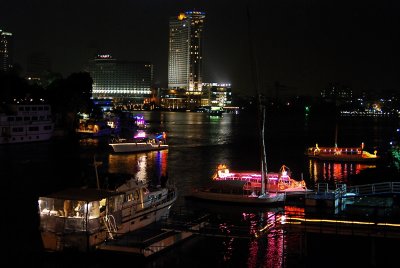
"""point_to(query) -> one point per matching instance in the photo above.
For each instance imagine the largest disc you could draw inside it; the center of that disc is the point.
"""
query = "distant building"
(337, 93)
(6, 47)
(217, 94)
(125, 82)
(185, 59)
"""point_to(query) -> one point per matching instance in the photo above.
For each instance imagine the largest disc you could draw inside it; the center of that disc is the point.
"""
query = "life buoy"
(282, 187)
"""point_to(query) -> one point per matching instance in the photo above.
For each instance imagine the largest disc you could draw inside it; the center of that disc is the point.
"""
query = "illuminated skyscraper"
(186, 56)
(5, 50)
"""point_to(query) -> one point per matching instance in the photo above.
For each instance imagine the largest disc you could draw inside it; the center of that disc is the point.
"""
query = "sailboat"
(281, 181)
(240, 192)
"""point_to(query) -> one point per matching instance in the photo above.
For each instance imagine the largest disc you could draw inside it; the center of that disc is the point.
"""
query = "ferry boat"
(277, 182)
(82, 219)
(342, 154)
(20, 123)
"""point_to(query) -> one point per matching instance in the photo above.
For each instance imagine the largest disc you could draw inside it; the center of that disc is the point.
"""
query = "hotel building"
(185, 60)
(125, 82)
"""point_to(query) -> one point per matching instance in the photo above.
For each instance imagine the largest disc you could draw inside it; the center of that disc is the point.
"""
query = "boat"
(80, 220)
(277, 182)
(21, 123)
(141, 142)
(342, 154)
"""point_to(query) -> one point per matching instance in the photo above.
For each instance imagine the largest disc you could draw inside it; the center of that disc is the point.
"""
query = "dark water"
(198, 143)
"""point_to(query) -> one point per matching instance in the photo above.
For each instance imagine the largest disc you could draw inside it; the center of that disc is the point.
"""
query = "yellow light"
(181, 16)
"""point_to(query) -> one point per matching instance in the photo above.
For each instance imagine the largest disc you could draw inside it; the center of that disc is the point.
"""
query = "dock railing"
(376, 188)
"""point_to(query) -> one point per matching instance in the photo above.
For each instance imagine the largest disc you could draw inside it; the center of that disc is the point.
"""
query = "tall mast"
(261, 109)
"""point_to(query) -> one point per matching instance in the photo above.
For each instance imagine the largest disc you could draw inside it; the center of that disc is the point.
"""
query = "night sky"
(303, 45)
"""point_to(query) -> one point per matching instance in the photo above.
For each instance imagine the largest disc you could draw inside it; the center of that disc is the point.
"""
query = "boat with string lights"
(342, 154)
(280, 182)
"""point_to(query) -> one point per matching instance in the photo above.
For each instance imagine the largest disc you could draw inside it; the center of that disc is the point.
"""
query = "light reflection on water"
(144, 166)
(334, 172)
(197, 145)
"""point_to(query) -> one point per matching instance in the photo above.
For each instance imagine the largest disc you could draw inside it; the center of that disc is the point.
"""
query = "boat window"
(11, 119)
(34, 108)
(129, 197)
(33, 129)
(18, 118)
(136, 196)
(27, 108)
(94, 209)
(27, 118)
(40, 108)
(47, 127)
(34, 118)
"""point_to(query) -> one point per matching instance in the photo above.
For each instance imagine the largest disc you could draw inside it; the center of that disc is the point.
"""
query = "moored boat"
(141, 142)
(82, 219)
(20, 123)
(342, 154)
(277, 182)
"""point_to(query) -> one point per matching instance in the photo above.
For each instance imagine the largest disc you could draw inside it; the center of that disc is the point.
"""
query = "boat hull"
(130, 147)
(270, 200)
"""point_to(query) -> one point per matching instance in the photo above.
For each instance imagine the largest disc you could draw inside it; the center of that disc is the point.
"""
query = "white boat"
(20, 123)
(82, 219)
(277, 182)
(142, 142)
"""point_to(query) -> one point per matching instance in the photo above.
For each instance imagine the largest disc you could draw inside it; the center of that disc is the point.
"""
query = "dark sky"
(304, 44)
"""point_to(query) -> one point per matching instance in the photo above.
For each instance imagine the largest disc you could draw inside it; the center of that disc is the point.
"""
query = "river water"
(198, 143)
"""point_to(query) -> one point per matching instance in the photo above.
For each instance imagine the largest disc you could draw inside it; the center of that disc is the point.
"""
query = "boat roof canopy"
(82, 194)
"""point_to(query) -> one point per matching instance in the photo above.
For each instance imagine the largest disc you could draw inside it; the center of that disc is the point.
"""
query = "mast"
(260, 110)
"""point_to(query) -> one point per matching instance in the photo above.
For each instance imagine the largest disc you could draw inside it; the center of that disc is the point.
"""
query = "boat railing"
(110, 224)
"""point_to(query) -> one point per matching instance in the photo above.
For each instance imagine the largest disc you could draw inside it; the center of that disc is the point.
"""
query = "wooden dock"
(154, 239)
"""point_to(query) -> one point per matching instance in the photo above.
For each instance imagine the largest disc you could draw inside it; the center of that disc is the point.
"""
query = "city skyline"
(303, 46)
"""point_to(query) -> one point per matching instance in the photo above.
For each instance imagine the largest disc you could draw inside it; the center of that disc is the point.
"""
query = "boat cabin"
(86, 215)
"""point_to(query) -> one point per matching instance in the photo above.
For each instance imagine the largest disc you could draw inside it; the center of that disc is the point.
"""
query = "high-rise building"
(125, 82)
(186, 56)
(6, 59)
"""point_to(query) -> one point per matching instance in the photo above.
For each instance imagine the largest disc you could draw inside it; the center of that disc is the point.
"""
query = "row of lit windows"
(116, 91)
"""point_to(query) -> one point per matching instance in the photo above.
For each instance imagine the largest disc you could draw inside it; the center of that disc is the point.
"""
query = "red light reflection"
(334, 171)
